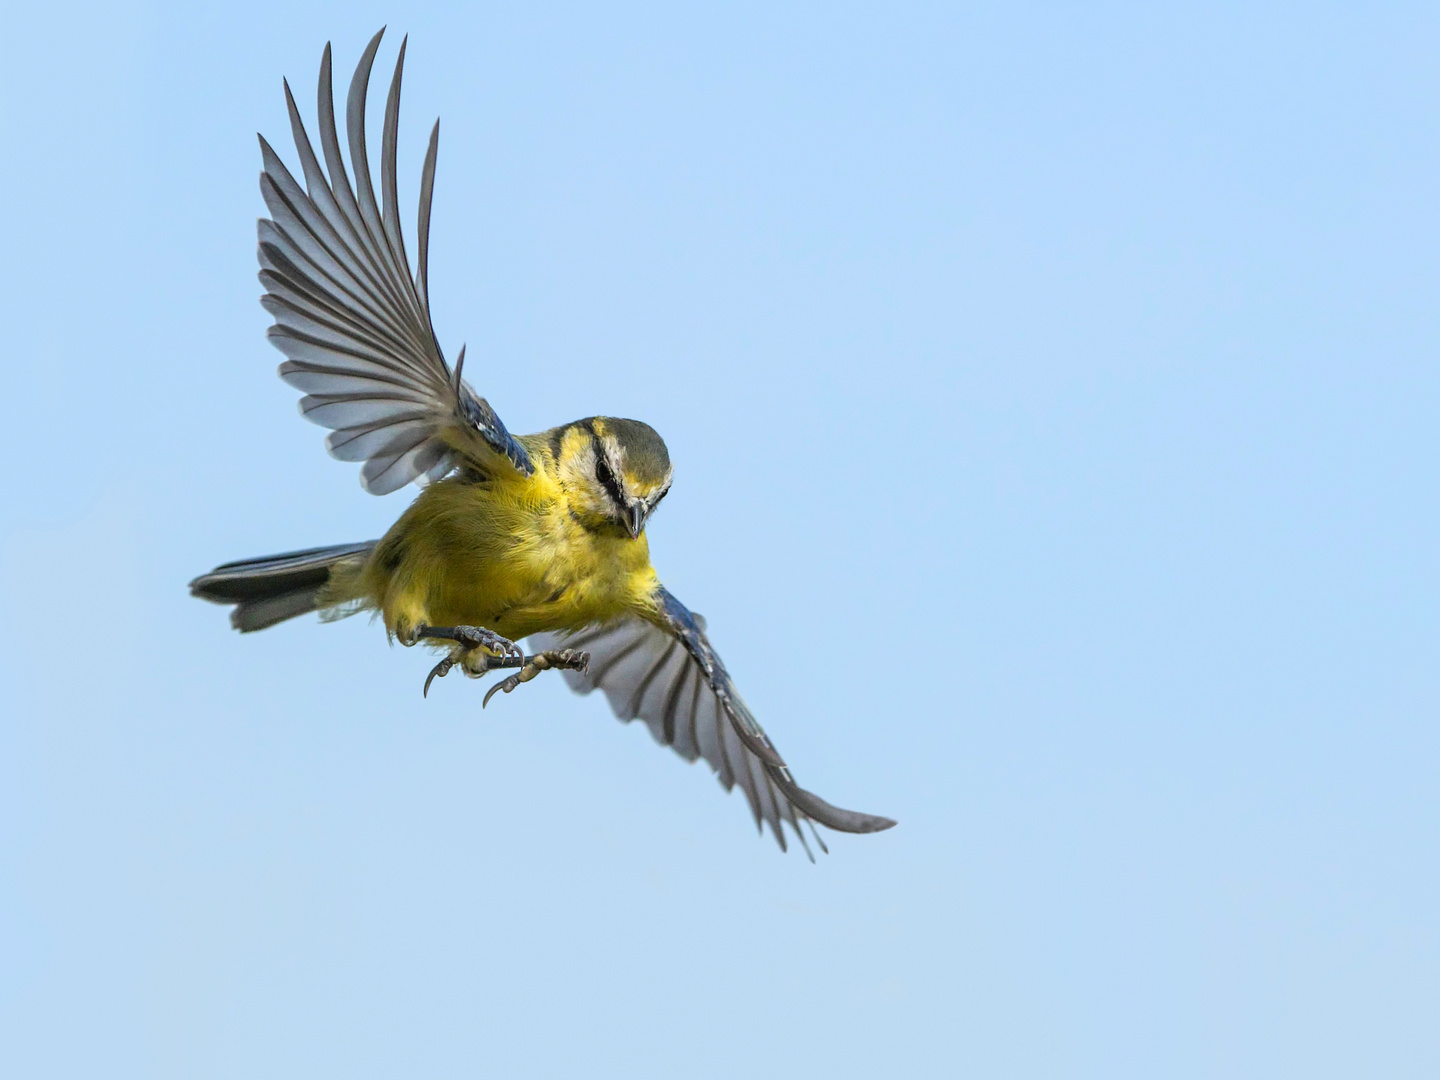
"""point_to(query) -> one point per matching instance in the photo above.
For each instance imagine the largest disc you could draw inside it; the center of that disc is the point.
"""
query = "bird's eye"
(606, 476)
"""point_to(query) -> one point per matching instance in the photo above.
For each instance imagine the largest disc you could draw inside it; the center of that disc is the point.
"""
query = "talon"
(506, 684)
(440, 670)
(477, 637)
(567, 659)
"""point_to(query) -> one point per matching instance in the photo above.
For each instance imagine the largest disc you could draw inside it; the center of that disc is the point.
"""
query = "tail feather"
(274, 588)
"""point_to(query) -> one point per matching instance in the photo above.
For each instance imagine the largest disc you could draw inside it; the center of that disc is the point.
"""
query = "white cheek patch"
(615, 458)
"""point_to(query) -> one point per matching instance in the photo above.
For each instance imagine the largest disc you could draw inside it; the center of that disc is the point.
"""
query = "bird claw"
(477, 637)
(439, 671)
(494, 650)
(558, 659)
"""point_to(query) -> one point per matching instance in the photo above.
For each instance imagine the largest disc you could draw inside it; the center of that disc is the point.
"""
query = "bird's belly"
(549, 576)
(517, 597)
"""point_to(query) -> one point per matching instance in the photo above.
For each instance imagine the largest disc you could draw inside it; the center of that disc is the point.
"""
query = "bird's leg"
(557, 659)
(477, 649)
(471, 637)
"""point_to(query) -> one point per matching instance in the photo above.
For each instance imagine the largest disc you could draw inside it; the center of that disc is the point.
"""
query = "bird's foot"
(557, 659)
(477, 650)
(468, 637)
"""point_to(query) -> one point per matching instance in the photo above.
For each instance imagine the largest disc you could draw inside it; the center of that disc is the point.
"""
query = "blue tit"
(537, 536)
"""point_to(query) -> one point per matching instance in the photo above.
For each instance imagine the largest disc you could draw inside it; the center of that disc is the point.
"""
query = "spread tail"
(272, 589)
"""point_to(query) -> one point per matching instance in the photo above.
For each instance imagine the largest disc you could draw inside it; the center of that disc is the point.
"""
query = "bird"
(539, 537)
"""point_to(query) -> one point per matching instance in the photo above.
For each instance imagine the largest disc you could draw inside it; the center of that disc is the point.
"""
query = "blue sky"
(1052, 392)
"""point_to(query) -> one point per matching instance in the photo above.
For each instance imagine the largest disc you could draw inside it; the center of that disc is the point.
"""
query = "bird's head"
(614, 471)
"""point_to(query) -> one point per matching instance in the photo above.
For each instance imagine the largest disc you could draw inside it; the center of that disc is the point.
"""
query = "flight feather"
(353, 322)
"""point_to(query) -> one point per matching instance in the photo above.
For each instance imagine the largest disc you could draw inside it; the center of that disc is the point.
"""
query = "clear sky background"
(1053, 392)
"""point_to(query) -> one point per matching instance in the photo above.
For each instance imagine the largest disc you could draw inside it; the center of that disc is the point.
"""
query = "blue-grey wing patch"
(671, 678)
(352, 322)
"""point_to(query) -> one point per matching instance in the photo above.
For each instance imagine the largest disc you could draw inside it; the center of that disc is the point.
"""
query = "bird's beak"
(636, 515)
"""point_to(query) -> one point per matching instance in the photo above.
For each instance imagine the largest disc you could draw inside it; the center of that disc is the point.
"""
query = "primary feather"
(667, 674)
(353, 323)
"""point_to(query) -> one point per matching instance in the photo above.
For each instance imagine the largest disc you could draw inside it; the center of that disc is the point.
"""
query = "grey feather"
(705, 709)
(363, 443)
(271, 589)
(389, 190)
(326, 256)
(258, 614)
(427, 195)
(670, 677)
(320, 381)
(337, 411)
(352, 321)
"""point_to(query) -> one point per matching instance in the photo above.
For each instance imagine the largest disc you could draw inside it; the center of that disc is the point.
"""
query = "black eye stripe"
(606, 476)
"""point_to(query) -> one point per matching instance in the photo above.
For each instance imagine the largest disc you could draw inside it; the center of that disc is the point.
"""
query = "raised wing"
(670, 677)
(352, 322)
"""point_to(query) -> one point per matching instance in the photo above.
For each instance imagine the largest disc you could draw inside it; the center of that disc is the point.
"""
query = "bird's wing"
(668, 675)
(352, 322)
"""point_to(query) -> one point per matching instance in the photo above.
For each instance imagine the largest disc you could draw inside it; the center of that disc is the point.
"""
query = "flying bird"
(538, 537)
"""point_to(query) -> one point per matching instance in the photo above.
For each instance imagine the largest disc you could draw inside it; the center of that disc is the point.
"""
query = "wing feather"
(352, 321)
(718, 728)
(389, 189)
(396, 275)
(397, 466)
(311, 237)
(358, 381)
(666, 673)
(300, 294)
(637, 694)
(335, 164)
(322, 199)
(336, 411)
(679, 730)
(359, 158)
(427, 195)
(744, 772)
(341, 340)
(361, 443)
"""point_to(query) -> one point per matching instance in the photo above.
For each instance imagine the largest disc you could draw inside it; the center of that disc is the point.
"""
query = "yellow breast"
(508, 555)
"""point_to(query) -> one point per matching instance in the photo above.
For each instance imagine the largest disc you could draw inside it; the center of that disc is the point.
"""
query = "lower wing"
(668, 675)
